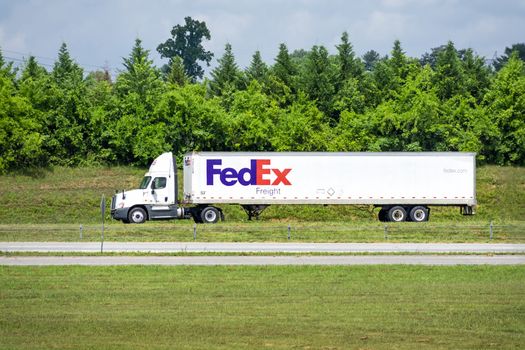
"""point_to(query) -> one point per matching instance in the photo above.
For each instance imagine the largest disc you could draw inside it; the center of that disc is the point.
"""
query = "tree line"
(307, 100)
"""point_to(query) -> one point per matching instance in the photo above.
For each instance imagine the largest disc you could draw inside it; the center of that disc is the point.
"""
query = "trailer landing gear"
(254, 210)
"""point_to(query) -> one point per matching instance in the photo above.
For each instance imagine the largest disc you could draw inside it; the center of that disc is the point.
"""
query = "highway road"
(228, 247)
(266, 260)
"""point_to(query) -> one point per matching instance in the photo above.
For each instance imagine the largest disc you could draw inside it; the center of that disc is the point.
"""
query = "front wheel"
(137, 215)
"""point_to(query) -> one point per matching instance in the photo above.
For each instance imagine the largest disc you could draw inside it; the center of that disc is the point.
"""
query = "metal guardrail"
(261, 231)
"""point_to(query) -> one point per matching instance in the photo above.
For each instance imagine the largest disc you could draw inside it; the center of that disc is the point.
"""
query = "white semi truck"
(403, 185)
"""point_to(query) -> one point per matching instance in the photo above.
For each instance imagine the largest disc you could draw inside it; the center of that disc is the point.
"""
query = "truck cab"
(156, 197)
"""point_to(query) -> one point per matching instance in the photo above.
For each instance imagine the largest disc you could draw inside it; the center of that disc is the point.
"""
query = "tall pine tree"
(258, 70)
(319, 78)
(226, 76)
(284, 69)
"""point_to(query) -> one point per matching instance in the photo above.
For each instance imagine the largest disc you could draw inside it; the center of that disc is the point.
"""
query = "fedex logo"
(259, 173)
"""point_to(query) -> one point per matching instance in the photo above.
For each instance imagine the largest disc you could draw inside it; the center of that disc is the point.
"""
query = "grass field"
(183, 231)
(306, 307)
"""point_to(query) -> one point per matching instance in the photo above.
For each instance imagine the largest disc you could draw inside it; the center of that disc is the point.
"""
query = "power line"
(26, 54)
(24, 61)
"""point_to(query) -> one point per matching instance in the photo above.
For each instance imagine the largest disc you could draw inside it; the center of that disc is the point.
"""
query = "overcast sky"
(101, 32)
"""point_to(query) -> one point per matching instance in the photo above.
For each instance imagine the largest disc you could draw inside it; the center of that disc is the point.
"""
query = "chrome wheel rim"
(398, 215)
(137, 216)
(210, 216)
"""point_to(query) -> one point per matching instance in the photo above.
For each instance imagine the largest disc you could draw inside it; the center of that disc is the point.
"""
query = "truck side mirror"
(153, 187)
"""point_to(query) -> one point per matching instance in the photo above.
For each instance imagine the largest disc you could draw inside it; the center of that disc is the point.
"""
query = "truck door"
(161, 191)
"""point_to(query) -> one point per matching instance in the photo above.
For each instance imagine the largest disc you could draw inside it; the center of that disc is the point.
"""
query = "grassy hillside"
(72, 195)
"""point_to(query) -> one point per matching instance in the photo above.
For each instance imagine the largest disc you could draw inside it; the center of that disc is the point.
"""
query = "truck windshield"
(145, 182)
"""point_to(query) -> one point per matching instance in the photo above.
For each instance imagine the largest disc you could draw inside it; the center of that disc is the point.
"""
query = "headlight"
(121, 205)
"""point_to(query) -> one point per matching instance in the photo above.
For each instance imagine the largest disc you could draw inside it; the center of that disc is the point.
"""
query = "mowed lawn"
(303, 307)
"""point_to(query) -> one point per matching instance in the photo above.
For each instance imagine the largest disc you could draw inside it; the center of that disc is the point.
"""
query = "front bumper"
(120, 213)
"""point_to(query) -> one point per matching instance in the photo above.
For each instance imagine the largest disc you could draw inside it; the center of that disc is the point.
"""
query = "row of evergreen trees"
(449, 100)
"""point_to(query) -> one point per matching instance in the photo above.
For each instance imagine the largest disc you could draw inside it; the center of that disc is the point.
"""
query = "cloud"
(15, 41)
(99, 31)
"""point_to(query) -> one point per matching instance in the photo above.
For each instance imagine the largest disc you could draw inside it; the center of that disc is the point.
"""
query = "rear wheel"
(382, 215)
(419, 214)
(397, 214)
(210, 215)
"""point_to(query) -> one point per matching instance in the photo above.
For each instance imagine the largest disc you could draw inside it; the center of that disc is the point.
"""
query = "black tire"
(137, 216)
(210, 215)
(397, 214)
(419, 213)
(382, 216)
(196, 214)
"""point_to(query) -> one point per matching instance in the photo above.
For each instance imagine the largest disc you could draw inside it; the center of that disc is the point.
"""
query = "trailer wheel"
(397, 214)
(382, 216)
(418, 214)
(137, 215)
(210, 215)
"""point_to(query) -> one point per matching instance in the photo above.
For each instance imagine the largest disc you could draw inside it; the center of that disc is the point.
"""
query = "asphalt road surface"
(267, 260)
(227, 247)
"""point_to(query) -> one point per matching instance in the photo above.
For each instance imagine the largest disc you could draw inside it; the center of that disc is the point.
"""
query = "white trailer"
(403, 185)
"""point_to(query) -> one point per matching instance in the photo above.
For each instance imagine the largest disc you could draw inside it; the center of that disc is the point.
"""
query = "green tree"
(370, 59)
(301, 128)
(450, 76)
(431, 57)
(251, 120)
(399, 61)
(391, 73)
(499, 62)
(284, 69)
(66, 72)
(318, 78)
(32, 70)
(350, 71)
(140, 77)
(186, 43)
(385, 80)
(226, 77)
(103, 106)
(258, 70)
(353, 133)
(36, 85)
(191, 121)
(350, 97)
(504, 102)
(139, 88)
(348, 65)
(66, 116)
(21, 138)
(177, 74)
(6, 68)
(476, 73)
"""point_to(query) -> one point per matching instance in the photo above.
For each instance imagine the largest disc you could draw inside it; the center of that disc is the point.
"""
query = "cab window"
(145, 182)
(159, 183)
